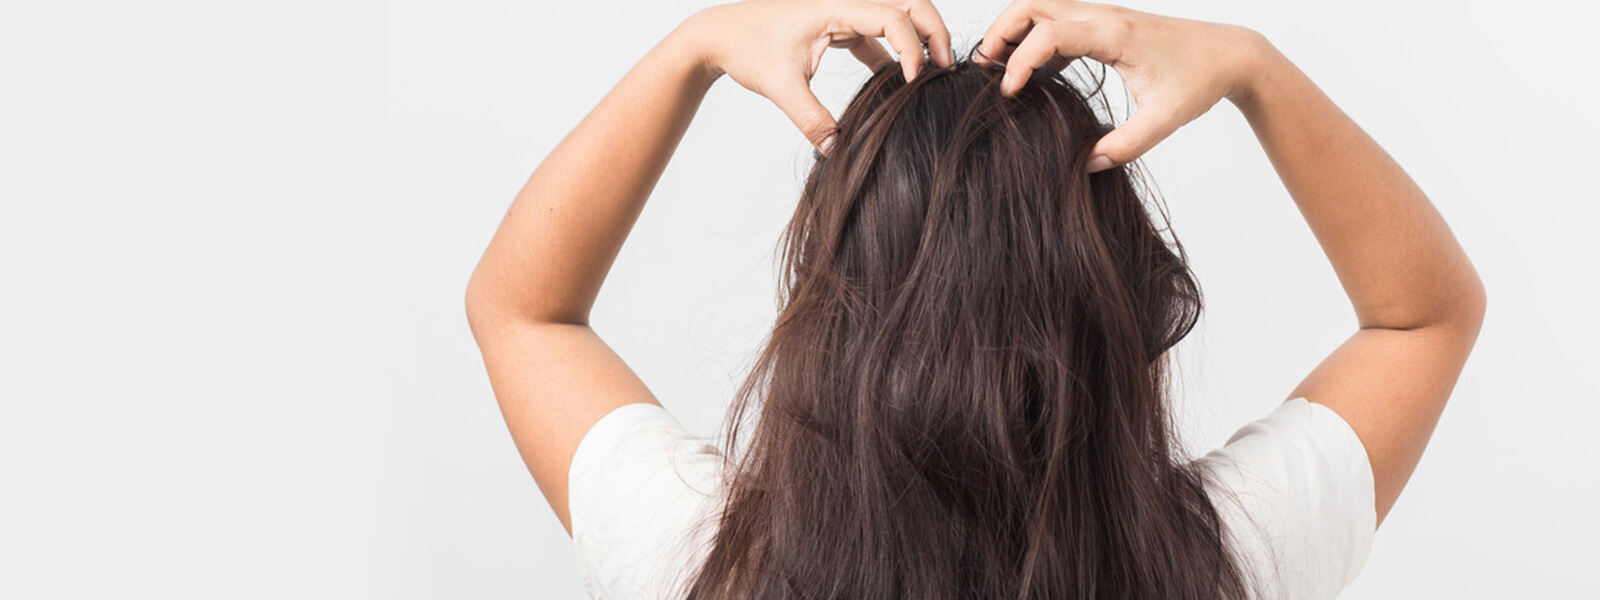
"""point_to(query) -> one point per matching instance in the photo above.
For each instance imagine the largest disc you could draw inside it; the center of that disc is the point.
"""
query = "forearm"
(552, 251)
(1395, 256)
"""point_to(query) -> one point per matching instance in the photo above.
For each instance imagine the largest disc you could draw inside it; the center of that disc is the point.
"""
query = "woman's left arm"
(528, 300)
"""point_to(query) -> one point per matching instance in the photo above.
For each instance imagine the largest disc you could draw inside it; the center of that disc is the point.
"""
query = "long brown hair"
(963, 396)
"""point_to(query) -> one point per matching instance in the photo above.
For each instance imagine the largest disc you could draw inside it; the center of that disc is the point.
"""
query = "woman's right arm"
(1417, 299)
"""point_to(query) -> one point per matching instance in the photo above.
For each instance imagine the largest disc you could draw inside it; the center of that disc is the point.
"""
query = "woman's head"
(963, 394)
(944, 189)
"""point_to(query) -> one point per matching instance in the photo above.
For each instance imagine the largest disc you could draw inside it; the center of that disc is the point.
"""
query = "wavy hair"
(964, 392)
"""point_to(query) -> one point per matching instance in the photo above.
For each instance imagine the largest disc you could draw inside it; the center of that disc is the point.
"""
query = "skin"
(1418, 301)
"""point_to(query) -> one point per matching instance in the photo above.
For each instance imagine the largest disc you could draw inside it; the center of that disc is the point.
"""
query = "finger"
(807, 113)
(1034, 51)
(1082, 30)
(870, 52)
(1149, 125)
(877, 20)
(1094, 38)
(925, 18)
(1009, 28)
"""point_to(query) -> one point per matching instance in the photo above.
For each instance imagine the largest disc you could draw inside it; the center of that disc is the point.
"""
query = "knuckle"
(1120, 26)
(1117, 154)
(907, 30)
(822, 133)
(1113, 144)
(813, 126)
(1114, 30)
(1043, 38)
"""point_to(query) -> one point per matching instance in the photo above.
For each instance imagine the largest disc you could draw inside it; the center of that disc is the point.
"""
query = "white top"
(1293, 490)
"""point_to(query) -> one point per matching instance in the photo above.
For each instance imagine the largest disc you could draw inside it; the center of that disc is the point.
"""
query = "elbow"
(1475, 304)
(493, 306)
(473, 303)
(1468, 304)
(480, 305)
(1472, 300)
(1457, 307)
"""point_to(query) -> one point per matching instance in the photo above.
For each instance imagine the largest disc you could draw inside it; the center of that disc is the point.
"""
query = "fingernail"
(826, 145)
(1005, 83)
(1099, 163)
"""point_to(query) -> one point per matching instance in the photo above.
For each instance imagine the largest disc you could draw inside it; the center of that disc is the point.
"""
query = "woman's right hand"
(1176, 69)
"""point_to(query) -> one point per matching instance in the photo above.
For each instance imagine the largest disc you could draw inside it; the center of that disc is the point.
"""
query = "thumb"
(1147, 127)
(807, 113)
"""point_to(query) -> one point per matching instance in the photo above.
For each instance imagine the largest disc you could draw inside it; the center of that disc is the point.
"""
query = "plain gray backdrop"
(234, 239)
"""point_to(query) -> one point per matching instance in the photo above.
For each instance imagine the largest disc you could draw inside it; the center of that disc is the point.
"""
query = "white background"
(234, 239)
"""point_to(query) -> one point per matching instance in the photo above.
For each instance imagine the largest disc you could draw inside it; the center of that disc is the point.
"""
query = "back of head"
(963, 395)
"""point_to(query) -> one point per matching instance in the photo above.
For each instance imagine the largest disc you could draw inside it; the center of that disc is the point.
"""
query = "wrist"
(1258, 66)
(691, 43)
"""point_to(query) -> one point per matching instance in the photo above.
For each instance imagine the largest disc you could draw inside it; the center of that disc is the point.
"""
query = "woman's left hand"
(772, 47)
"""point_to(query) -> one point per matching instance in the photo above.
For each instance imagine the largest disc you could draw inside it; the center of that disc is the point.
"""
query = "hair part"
(964, 393)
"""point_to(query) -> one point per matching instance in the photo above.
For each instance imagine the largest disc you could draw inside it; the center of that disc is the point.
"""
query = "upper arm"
(1390, 385)
(553, 381)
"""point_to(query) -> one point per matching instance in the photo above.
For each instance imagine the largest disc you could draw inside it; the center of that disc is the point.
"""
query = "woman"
(963, 394)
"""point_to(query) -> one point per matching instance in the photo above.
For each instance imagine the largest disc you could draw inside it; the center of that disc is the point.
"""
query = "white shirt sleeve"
(1295, 494)
(642, 492)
